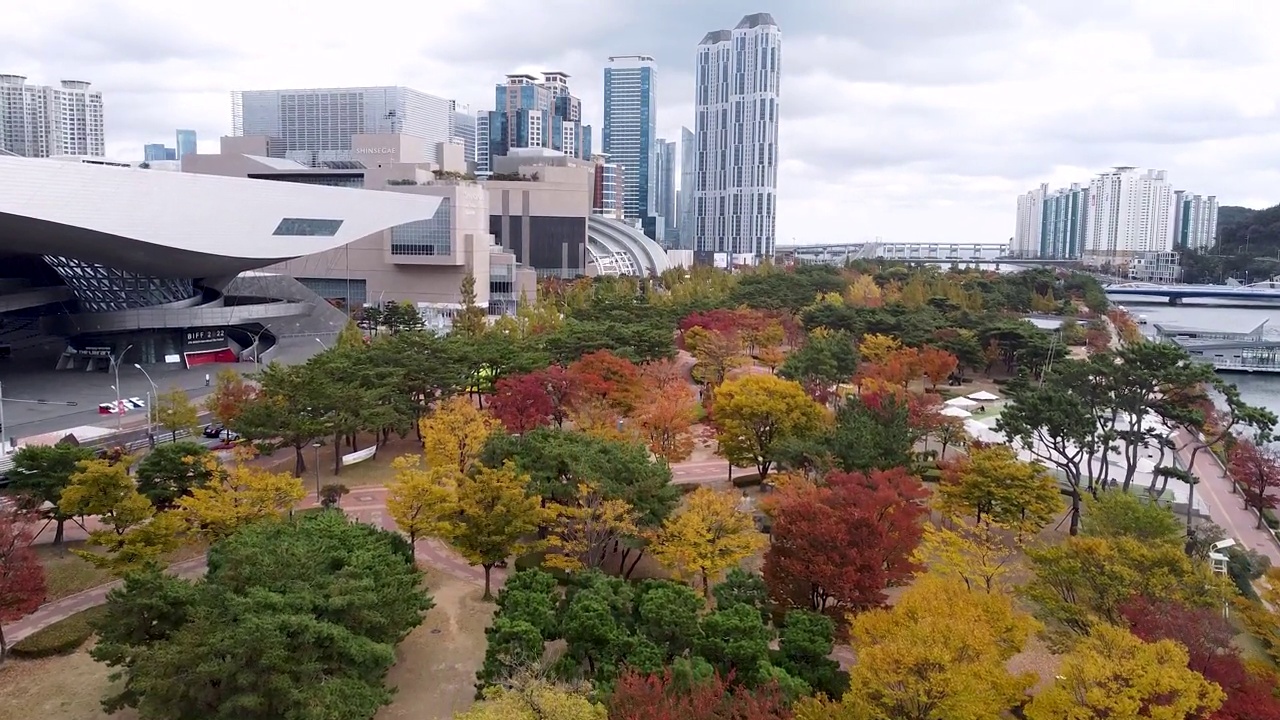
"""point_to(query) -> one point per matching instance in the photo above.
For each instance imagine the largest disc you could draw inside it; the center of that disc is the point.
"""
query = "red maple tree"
(1207, 636)
(838, 547)
(660, 697)
(22, 586)
(721, 320)
(604, 376)
(936, 365)
(1256, 471)
(521, 402)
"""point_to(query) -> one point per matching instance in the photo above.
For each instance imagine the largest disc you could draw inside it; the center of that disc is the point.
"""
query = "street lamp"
(153, 396)
(326, 347)
(256, 337)
(316, 445)
(115, 365)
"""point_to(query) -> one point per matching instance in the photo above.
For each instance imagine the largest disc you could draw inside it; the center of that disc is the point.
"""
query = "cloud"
(907, 120)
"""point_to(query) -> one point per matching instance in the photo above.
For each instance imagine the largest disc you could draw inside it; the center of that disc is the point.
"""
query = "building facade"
(157, 152)
(1162, 267)
(1063, 228)
(533, 113)
(1129, 212)
(1030, 224)
(1195, 221)
(41, 121)
(316, 125)
(610, 186)
(736, 129)
(665, 173)
(462, 127)
(687, 220)
(631, 130)
(185, 144)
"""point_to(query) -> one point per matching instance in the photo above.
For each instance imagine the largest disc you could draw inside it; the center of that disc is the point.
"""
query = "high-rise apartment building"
(736, 138)
(314, 126)
(610, 187)
(688, 219)
(1195, 221)
(533, 113)
(462, 127)
(185, 145)
(483, 158)
(1051, 224)
(43, 121)
(665, 176)
(1128, 213)
(631, 132)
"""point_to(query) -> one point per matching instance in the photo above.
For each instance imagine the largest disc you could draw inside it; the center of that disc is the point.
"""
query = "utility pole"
(115, 365)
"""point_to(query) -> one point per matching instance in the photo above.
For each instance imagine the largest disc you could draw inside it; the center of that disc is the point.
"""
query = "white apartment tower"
(43, 121)
(1129, 213)
(1026, 236)
(736, 138)
(1195, 221)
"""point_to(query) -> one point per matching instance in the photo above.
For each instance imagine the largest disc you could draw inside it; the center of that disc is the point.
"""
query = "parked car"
(213, 430)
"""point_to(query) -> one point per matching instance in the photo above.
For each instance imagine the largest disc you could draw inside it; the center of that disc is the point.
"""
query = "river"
(1260, 389)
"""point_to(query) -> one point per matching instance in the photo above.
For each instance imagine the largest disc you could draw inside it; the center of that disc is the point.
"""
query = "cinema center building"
(174, 265)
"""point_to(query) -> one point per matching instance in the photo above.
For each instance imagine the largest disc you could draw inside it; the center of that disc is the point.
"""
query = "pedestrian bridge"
(1266, 291)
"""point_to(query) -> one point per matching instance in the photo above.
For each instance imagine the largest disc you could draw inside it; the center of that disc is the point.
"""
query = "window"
(299, 227)
(426, 237)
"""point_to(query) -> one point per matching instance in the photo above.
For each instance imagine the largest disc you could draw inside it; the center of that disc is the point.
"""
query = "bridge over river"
(1266, 292)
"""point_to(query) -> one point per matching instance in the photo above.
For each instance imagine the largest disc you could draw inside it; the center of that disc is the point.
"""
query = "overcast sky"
(912, 120)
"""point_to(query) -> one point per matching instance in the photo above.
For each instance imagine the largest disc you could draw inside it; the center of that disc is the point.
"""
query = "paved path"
(1226, 508)
(365, 504)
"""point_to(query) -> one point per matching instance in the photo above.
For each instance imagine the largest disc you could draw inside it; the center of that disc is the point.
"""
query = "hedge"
(61, 638)
(1270, 519)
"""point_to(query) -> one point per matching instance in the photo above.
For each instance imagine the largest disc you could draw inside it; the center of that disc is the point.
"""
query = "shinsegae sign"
(375, 151)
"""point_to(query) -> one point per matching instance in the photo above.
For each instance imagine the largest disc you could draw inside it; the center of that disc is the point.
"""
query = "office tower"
(157, 152)
(43, 121)
(1129, 213)
(610, 188)
(686, 224)
(1195, 221)
(736, 129)
(631, 130)
(185, 145)
(462, 126)
(665, 187)
(483, 164)
(316, 125)
(532, 113)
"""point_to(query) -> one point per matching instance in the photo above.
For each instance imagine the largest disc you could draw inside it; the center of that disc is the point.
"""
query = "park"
(800, 492)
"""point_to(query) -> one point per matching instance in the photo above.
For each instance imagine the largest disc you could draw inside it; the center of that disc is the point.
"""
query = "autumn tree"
(1114, 674)
(1256, 471)
(534, 699)
(1114, 515)
(522, 403)
(40, 474)
(992, 485)
(455, 433)
(244, 494)
(230, 395)
(174, 412)
(710, 535)
(583, 532)
(717, 354)
(754, 413)
(494, 512)
(421, 501)
(666, 421)
(981, 556)
(664, 696)
(133, 536)
(825, 360)
(1263, 618)
(841, 545)
(937, 365)
(939, 652)
(596, 417)
(22, 583)
(876, 348)
(603, 376)
(863, 292)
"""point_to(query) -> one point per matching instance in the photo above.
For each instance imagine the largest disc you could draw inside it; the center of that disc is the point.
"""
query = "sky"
(907, 120)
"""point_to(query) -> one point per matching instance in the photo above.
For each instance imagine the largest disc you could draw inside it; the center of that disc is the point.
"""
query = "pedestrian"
(206, 379)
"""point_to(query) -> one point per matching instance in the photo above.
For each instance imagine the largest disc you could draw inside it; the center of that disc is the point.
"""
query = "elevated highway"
(1260, 292)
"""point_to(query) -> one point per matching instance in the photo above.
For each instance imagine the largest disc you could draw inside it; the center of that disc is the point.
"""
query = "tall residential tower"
(736, 138)
(42, 121)
(631, 131)
(1195, 221)
(1129, 213)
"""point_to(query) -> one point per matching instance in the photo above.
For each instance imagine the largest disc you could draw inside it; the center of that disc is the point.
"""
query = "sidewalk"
(1226, 508)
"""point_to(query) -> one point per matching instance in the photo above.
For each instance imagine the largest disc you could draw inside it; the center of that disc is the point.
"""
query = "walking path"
(1226, 507)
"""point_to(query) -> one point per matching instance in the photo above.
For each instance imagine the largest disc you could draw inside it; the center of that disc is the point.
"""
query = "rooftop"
(756, 20)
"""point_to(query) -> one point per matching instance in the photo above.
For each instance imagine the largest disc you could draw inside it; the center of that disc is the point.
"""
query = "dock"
(1226, 351)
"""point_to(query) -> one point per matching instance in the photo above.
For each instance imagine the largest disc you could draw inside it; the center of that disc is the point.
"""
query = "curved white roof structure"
(617, 248)
(183, 225)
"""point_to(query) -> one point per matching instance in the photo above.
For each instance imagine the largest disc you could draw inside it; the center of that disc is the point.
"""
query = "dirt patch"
(435, 672)
(375, 471)
(70, 687)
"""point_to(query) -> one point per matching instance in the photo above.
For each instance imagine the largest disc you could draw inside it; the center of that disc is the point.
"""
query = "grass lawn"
(67, 573)
(374, 471)
(69, 687)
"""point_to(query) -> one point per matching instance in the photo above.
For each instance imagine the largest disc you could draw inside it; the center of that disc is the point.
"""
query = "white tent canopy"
(955, 412)
(983, 396)
(961, 402)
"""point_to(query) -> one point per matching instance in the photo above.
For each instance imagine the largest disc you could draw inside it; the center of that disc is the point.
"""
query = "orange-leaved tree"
(666, 422)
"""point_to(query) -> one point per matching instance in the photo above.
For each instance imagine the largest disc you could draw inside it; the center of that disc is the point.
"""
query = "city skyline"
(935, 119)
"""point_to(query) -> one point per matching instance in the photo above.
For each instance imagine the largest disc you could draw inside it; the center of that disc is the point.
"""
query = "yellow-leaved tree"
(243, 494)
(583, 533)
(175, 412)
(981, 557)
(876, 348)
(992, 485)
(455, 433)
(133, 536)
(940, 652)
(535, 700)
(863, 292)
(1115, 675)
(754, 412)
(422, 501)
(710, 535)
(494, 514)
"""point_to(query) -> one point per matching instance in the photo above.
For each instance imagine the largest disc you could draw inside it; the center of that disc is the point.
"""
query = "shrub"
(1269, 517)
(60, 638)
(745, 481)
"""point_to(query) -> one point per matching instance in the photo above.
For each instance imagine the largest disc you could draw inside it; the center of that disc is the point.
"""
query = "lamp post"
(326, 347)
(256, 337)
(152, 397)
(115, 366)
(316, 445)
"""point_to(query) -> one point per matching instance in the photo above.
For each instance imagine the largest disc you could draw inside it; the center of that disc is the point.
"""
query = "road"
(1226, 507)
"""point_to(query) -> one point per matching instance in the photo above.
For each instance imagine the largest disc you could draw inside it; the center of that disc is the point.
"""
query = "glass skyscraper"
(688, 220)
(665, 182)
(736, 130)
(157, 152)
(186, 144)
(529, 113)
(631, 130)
